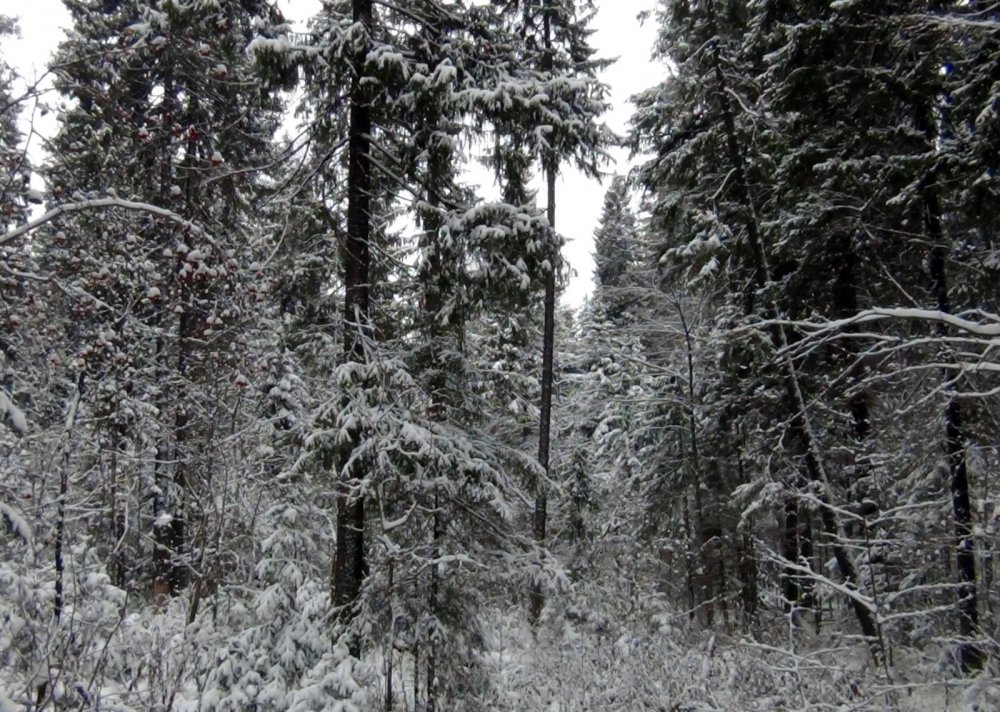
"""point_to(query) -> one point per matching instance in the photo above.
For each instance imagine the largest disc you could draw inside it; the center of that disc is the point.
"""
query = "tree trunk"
(747, 572)
(548, 350)
(117, 566)
(700, 530)
(689, 567)
(164, 547)
(392, 640)
(434, 289)
(970, 656)
(59, 602)
(433, 602)
(349, 560)
(545, 415)
(790, 551)
(845, 305)
(173, 572)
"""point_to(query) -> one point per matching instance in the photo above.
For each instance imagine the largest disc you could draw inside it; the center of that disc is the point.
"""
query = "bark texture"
(349, 561)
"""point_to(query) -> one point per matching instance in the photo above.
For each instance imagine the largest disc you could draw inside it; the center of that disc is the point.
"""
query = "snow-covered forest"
(293, 418)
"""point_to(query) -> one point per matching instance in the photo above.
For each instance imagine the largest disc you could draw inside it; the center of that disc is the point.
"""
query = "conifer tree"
(728, 212)
(14, 194)
(556, 57)
(819, 181)
(421, 461)
(13, 161)
(165, 111)
(862, 186)
(617, 250)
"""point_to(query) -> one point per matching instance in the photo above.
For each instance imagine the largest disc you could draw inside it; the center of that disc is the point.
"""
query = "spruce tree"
(163, 110)
(713, 161)
(864, 188)
(423, 460)
(617, 250)
(557, 62)
(14, 203)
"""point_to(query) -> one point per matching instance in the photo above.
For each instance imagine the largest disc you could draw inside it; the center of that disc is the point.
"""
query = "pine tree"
(730, 211)
(617, 251)
(422, 460)
(14, 259)
(166, 111)
(558, 61)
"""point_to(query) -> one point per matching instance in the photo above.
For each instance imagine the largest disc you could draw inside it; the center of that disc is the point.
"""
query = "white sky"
(578, 200)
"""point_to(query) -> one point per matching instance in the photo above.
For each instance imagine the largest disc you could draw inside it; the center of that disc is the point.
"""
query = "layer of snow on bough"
(12, 416)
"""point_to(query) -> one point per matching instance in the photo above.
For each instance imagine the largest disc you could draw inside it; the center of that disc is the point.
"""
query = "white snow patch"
(19, 526)
(11, 415)
(6, 705)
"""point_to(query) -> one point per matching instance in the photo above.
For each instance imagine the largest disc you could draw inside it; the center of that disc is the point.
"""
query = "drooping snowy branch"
(103, 204)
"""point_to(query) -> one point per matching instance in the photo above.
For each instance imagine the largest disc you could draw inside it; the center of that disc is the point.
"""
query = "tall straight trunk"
(433, 602)
(791, 550)
(970, 656)
(444, 337)
(178, 573)
(388, 704)
(797, 546)
(845, 305)
(165, 545)
(117, 565)
(799, 428)
(548, 347)
(746, 557)
(700, 530)
(173, 573)
(545, 415)
(349, 560)
(59, 601)
(689, 566)
(435, 287)
(746, 570)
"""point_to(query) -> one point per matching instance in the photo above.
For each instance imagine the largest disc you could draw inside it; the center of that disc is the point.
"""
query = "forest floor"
(574, 663)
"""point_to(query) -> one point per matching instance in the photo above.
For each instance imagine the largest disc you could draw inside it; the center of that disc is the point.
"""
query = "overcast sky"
(618, 34)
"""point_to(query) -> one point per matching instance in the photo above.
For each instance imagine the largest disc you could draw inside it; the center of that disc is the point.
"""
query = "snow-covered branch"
(849, 591)
(102, 204)
(987, 325)
(11, 415)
